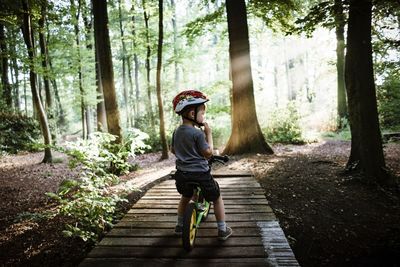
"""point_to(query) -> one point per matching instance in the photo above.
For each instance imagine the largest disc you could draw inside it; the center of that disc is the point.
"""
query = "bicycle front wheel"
(189, 227)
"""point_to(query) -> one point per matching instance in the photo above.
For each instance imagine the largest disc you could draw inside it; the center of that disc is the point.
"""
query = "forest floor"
(329, 218)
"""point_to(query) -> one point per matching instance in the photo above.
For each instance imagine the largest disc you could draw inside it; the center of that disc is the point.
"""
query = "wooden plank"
(154, 232)
(163, 262)
(177, 242)
(171, 225)
(259, 201)
(225, 191)
(250, 209)
(171, 252)
(224, 197)
(229, 217)
(174, 206)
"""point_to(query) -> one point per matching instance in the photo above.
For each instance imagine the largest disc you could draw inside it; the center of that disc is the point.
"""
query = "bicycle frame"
(202, 208)
(196, 211)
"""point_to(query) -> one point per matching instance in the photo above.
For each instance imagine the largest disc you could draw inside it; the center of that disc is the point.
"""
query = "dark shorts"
(208, 185)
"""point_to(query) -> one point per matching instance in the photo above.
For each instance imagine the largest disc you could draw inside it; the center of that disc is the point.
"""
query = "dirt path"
(330, 219)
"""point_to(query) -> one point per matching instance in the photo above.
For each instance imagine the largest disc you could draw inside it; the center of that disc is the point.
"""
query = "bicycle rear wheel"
(189, 230)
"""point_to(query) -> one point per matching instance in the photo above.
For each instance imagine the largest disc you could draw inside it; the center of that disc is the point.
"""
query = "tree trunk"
(175, 28)
(27, 32)
(136, 61)
(44, 56)
(88, 22)
(16, 75)
(340, 46)
(100, 108)
(76, 14)
(123, 56)
(159, 65)
(4, 68)
(102, 40)
(246, 136)
(148, 54)
(366, 144)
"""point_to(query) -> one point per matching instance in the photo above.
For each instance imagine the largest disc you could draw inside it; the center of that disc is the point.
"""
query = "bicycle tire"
(189, 230)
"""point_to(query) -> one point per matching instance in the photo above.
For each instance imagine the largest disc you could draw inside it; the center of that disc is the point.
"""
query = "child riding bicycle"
(192, 147)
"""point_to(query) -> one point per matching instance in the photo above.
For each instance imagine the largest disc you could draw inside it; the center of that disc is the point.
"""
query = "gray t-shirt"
(188, 142)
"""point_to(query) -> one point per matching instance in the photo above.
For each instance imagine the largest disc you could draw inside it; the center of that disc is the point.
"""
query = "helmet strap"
(196, 109)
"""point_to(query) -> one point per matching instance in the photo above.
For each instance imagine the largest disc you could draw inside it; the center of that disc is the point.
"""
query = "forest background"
(294, 66)
(73, 69)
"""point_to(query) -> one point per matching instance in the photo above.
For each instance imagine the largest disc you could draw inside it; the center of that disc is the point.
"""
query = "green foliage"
(202, 25)
(388, 95)
(320, 14)
(18, 133)
(284, 126)
(276, 14)
(87, 201)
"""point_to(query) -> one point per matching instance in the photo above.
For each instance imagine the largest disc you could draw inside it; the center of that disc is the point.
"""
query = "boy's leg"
(181, 209)
(219, 209)
(182, 205)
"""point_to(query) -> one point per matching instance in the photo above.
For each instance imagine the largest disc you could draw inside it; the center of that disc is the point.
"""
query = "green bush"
(18, 132)
(389, 102)
(284, 126)
(87, 201)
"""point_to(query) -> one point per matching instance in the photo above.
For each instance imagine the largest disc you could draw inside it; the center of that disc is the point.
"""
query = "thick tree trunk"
(27, 32)
(159, 65)
(366, 148)
(4, 68)
(102, 40)
(340, 46)
(246, 136)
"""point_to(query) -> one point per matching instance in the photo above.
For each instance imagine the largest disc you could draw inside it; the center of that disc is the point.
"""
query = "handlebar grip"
(221, 158)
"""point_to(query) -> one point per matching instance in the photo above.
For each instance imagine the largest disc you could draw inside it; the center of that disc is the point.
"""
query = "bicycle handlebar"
(221, 159)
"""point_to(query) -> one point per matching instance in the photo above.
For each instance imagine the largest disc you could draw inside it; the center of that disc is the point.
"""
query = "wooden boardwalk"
(145, 236)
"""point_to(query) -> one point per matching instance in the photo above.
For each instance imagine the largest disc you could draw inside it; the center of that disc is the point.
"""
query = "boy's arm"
(172, 143)
(207, 153)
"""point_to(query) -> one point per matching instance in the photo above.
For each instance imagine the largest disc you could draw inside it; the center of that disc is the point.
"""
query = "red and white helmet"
(188, 98)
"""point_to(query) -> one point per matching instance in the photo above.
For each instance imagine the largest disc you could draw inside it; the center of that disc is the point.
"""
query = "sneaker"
(223, 235)
(178, 230)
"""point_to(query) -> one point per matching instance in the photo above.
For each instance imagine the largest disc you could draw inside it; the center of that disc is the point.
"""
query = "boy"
(192, 147)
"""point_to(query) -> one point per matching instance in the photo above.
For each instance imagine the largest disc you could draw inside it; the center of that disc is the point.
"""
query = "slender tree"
(28, 34)
(246, 136)
(103, 48)
(124, 63)
(100, 107)
(148, 54)
(136, 61)
(175, 28)
(44, 56)
(159, 65)
(4, 68)
(366, 144)
(76, 13)
(340, 22)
